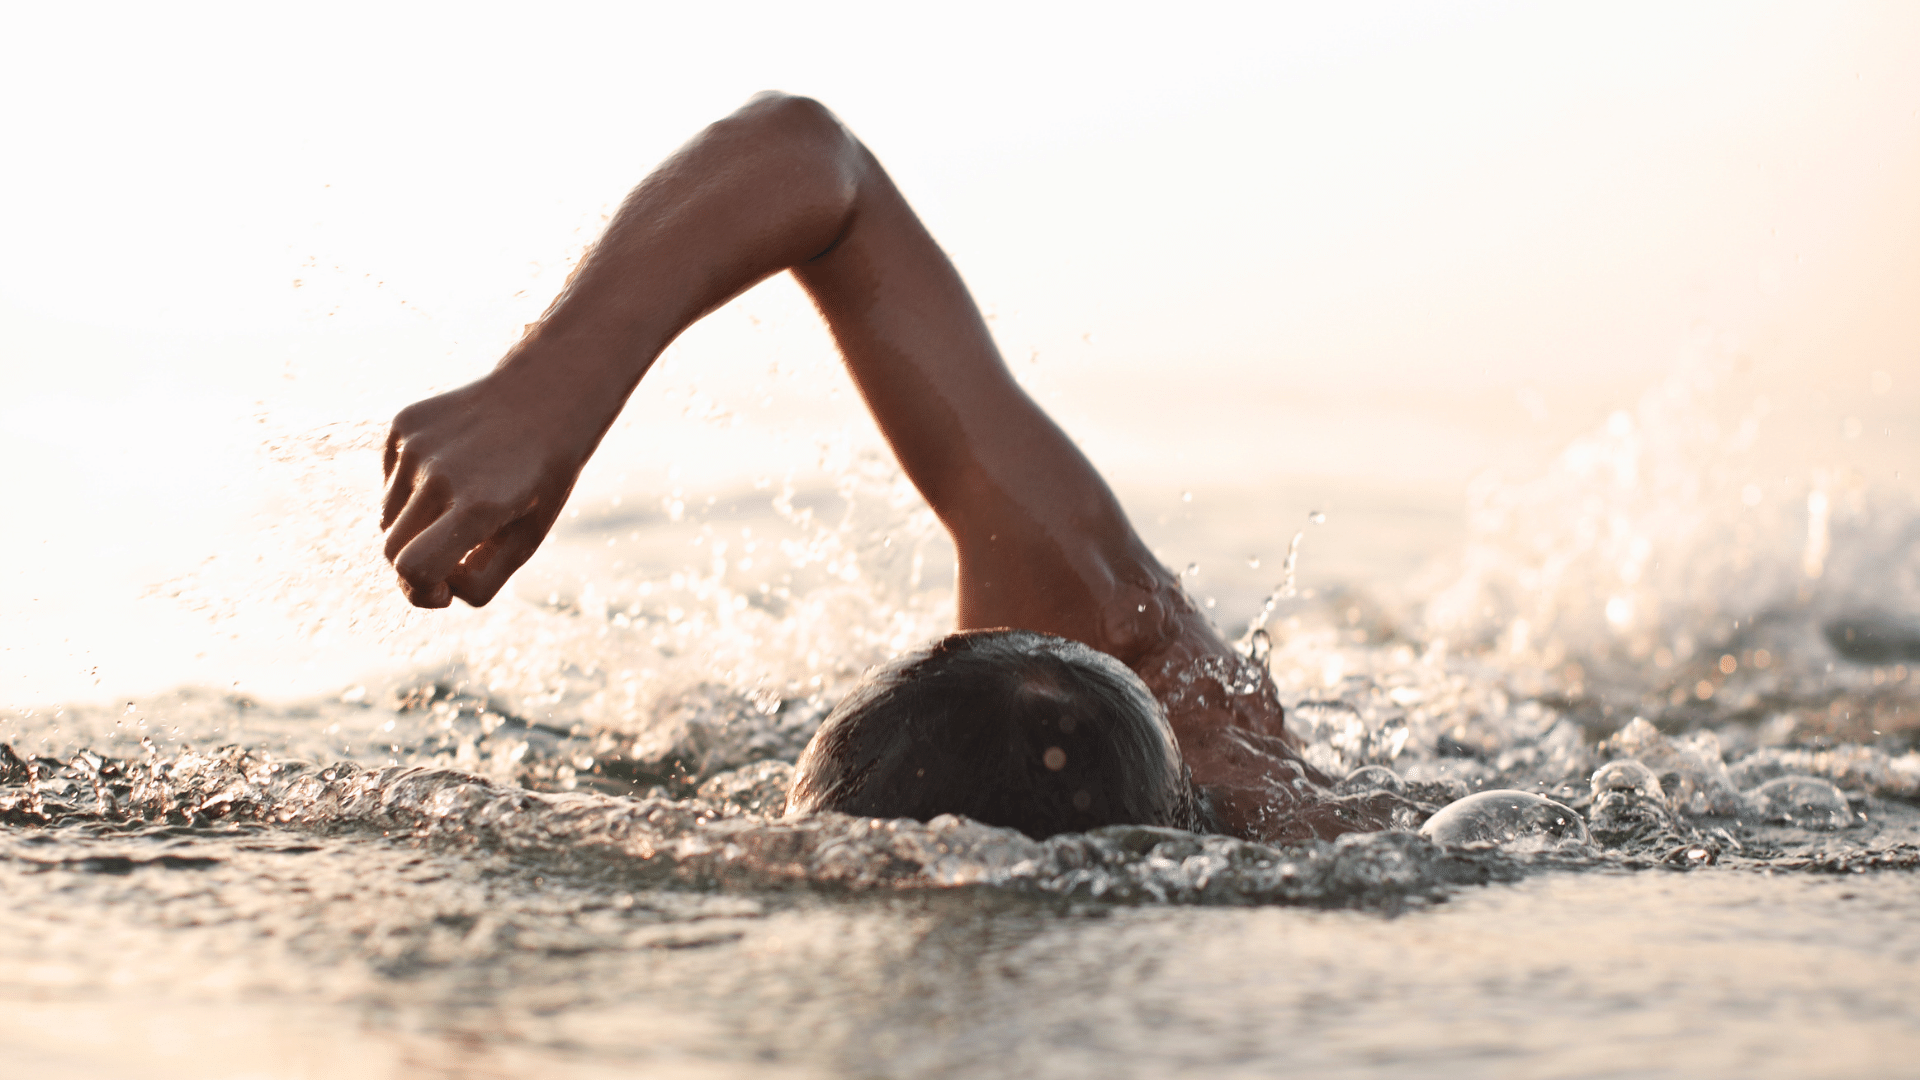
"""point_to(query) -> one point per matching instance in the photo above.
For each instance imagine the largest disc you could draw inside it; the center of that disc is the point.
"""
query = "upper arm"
(1042, 542)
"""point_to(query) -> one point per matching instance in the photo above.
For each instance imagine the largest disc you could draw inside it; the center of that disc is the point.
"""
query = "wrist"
(572, 390)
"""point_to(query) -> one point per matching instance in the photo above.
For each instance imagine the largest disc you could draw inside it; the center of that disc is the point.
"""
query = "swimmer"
(477, 476)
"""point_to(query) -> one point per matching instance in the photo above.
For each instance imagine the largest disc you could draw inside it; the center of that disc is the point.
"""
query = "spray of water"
(1256, 642)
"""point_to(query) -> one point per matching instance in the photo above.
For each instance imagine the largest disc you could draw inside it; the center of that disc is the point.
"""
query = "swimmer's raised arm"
(477, 476)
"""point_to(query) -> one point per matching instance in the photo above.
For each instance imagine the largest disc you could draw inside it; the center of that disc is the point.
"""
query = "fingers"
(419, 516)
(425, 562)
(480, 576)
(422, 508)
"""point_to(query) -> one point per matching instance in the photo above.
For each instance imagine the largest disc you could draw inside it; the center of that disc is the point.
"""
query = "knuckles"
(418, 431)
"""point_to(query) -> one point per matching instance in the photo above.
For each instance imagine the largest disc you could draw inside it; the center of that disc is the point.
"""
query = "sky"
(1357, 246)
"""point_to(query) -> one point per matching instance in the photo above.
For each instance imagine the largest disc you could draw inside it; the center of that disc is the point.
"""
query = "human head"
(1008, 727)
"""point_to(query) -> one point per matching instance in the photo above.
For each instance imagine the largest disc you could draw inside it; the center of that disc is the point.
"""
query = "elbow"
(824, 166)
(789, 108)
(801, 121)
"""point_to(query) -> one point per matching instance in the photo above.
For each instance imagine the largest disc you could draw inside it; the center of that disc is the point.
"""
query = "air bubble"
(1514, 820)
(1629, 805)
(1802, 801)
(1371, 778)
(1627, 776)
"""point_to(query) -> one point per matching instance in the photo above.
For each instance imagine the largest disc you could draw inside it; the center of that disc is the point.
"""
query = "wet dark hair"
(1007, 727)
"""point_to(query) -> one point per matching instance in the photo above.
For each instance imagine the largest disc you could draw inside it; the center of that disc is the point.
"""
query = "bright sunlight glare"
(1301, 243)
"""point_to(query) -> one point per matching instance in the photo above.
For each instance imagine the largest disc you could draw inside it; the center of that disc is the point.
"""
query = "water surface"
(545, 839)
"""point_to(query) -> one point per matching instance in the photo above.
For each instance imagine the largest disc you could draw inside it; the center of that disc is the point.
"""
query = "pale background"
(1280, 257)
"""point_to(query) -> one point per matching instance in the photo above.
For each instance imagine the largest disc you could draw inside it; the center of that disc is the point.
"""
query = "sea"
(1647, 693)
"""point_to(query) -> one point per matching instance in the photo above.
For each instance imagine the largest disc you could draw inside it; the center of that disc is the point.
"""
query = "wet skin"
(477, 476)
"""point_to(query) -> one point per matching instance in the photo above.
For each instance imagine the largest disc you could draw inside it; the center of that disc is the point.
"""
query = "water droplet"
(1259, 646)
(1317, 517)
(1515, 820)
(1802, 801)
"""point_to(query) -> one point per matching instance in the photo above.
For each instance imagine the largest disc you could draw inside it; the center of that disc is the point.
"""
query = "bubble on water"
(1692, 770)
(1630, 810)
(1801, 801)
(1513, 820)
(1371, 778)
(1629, 777)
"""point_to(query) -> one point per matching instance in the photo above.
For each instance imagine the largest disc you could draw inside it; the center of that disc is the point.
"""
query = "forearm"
(756, 193)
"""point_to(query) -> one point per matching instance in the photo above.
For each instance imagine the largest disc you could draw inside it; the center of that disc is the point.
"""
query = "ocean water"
(1648, 698)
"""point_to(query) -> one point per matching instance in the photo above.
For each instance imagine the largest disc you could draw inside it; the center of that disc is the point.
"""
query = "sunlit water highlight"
(1654, 735)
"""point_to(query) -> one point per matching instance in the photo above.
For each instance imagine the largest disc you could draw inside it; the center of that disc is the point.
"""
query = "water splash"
(721, 837)
(1675, 542)
(1286, 590)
